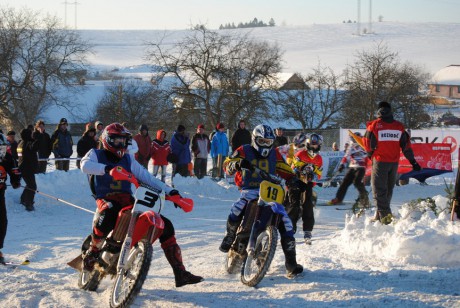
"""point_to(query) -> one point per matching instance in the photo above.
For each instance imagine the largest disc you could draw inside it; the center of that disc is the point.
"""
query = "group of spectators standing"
(181, 150)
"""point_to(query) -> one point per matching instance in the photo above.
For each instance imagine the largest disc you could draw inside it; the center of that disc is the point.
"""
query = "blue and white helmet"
(263, 139)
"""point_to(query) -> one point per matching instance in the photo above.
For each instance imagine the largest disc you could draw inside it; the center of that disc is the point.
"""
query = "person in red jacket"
(383, 141)
(160, 150)
(144, 143)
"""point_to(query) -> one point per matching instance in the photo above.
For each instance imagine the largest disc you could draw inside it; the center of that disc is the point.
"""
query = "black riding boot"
(288, 245)
(173, 255)
(227, 242)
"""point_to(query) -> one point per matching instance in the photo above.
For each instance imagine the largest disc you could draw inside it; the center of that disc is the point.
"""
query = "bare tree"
(222, 77)
(37, 59)
(134, 102)
(379, 75)
(317, 105)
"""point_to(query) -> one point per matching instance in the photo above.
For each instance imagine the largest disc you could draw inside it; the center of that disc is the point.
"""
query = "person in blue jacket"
(219, 146)
(180, 147)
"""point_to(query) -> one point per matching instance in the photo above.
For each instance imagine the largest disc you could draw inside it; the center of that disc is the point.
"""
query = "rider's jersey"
(105, 184)
(273, 164)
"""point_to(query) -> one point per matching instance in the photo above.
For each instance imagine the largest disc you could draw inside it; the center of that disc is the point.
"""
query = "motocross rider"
(308, 164)
(260, 153)
(112, 196)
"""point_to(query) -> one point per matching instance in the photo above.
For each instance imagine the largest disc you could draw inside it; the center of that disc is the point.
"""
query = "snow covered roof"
(450, 75)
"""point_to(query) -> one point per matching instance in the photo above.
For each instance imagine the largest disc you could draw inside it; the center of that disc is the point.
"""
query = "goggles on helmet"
(264, 142)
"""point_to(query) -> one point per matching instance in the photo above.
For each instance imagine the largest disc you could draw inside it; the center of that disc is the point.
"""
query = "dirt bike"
(255, 244)
(127, 250)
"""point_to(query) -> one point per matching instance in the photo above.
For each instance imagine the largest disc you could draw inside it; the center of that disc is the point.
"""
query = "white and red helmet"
(115, 138)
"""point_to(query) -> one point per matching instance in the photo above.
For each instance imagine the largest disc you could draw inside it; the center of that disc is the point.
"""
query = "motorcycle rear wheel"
(128, 283)
(256, 264)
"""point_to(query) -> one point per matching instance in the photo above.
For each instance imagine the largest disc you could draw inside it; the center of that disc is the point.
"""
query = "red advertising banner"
(434, 156)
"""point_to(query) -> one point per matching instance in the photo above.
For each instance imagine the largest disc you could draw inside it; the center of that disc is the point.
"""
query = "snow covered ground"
(352, 262)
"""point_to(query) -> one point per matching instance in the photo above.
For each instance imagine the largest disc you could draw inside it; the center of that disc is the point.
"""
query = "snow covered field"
(352, 262)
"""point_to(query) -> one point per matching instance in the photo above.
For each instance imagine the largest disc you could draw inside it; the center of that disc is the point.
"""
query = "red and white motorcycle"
(127, 251)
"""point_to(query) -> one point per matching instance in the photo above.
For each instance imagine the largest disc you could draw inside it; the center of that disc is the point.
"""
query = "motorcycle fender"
(146, 221)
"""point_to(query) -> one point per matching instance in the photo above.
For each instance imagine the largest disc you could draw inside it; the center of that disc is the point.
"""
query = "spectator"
(280, 139)
(28, 165)
(62, 145)
(99, 129)
(7, 167)
(143, 143)
(335, 147)
(44, 145)
(180, 147)
(86, 143)
(200, 148)
(10, 137)
(159, 151)
(384, 139)
(240, 136)
(219, 148)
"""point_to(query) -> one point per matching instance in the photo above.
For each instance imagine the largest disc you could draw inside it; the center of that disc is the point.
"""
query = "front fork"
(126, 247)
(263, 217)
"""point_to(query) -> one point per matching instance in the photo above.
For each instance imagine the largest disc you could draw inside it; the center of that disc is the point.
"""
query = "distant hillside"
(432, 45)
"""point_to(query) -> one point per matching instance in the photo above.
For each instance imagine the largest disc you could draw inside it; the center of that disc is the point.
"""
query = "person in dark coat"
(62, 145)
(280, 139)
(240, 136)
(11, 137)
(180, 147)
(7, 167)
(28, 165)
(201, 146)
(44, 145)
(86, 143)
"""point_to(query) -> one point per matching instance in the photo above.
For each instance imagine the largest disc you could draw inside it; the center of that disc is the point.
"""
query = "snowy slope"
(432, 46)
(352, 262)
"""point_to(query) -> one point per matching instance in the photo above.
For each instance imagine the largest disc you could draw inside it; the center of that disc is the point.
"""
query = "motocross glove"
(243, 164)
(108, 168)
(174, 192)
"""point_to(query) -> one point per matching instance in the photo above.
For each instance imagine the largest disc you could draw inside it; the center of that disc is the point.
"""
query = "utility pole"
(370, 16)
(65, 12)
(75, 4)
(359, 18)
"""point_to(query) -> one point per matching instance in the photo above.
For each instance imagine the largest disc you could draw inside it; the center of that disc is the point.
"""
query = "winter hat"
(220, 125)
(63, 121)
(201, 126)
(98, 123)
(11, 133)
(384, 104)
(384, 111)
(143, 127)
(180, 128)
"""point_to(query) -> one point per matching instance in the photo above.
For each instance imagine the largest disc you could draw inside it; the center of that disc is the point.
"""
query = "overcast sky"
(180, 14)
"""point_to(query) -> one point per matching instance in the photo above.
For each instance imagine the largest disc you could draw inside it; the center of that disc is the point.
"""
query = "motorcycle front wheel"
(129, 282)
(256, 264)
